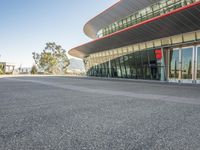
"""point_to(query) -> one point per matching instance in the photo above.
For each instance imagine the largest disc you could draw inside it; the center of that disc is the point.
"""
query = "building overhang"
(114, 13)
(182, 20)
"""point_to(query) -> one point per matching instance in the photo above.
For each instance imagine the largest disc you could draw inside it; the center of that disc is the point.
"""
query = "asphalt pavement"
(72, 113)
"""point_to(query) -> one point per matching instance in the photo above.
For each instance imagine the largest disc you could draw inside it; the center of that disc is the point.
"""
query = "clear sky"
(26, 25)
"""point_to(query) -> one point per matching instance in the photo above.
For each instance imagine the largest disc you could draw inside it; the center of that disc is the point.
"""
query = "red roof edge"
(142, 23)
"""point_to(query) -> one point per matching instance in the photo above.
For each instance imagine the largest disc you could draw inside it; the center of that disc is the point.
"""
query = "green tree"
(34, 69)
(2, 69)
(52, 59)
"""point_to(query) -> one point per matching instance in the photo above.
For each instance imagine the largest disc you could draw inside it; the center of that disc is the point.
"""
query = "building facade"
(6, 68)
(146, 39)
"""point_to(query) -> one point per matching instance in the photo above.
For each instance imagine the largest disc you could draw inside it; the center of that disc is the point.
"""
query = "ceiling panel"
(116, 12)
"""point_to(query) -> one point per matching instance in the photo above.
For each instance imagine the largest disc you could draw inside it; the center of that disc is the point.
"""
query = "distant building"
(6, 68)
(24, 70)
(144, 39)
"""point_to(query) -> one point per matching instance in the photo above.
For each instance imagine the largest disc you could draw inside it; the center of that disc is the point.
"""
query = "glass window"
(118, 67)
(156, 9)
(120, 23)
(186, 66)
(133, 17)
(198, 63)
(129, 19)
(174, 64)
(122, 66)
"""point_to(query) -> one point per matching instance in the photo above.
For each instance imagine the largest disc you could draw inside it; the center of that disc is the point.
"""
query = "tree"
(1, 69)
(34, 69)
(52, 59)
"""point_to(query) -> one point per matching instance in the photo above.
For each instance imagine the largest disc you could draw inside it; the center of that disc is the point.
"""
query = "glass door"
(198, 64)
(174, 67)
(187, 61)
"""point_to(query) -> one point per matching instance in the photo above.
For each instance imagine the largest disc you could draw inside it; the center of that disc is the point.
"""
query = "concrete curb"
(133, 80)
(28, 75)
(104, 79)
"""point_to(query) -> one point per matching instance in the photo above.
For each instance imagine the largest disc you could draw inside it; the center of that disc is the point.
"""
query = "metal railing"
(152, 11)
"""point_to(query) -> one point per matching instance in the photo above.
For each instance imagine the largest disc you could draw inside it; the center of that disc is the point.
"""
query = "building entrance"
(184, 65)
(197, 66)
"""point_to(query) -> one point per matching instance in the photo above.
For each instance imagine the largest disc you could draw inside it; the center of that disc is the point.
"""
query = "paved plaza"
(73, 113)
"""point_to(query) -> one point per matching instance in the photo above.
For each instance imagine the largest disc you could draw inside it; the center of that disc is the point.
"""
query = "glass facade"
(198, 63)
(159, 59)
(174, 64)
(138, 65)
(145, 60)
(155, 10)
(186, 63)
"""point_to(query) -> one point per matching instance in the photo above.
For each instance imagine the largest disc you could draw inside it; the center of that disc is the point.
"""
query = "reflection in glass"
(186, 65)
(138, 65)
(113, 68)
(123, 68)
(173, 64)
(198, 63)
(119, 73)
(127, 65)
(157, 9)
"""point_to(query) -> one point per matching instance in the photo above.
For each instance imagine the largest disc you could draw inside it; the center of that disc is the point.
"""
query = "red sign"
(158, 53)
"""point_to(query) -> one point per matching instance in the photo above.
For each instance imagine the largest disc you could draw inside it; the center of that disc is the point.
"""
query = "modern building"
(144, 39)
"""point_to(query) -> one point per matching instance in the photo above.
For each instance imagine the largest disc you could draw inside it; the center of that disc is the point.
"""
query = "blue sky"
(26, 25)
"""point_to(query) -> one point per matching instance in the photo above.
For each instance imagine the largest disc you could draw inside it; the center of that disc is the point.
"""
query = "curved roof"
(116, 12)
(185, 19)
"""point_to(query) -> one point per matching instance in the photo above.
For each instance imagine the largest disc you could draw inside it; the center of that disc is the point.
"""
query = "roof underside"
(182, 20)
(116, 12)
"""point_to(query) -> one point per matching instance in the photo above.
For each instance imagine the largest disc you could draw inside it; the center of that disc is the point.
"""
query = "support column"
(110, 69)
(163, 67)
